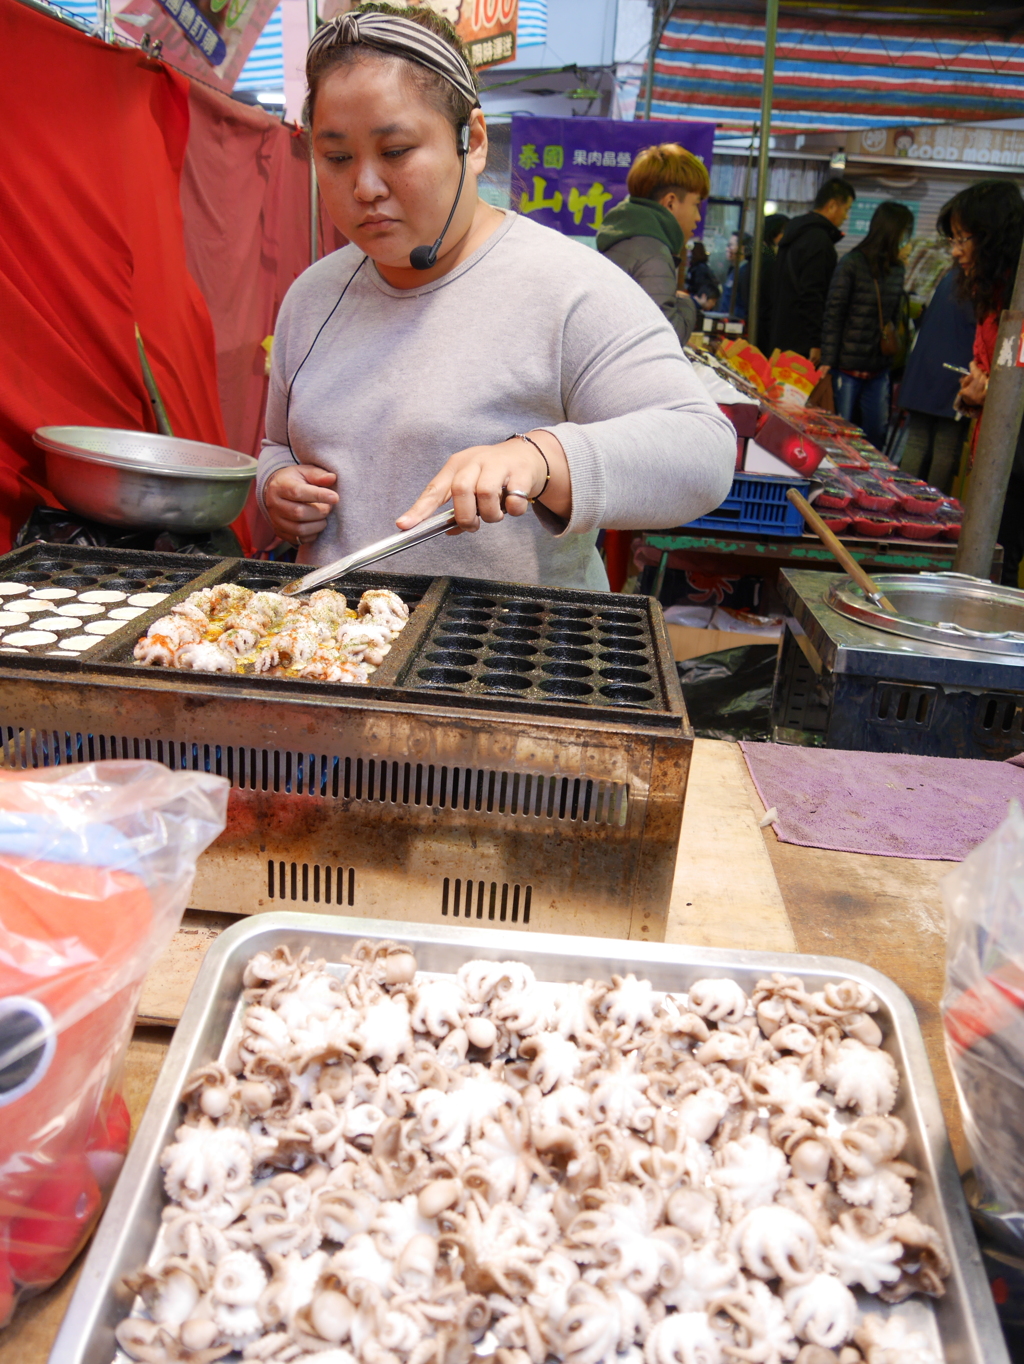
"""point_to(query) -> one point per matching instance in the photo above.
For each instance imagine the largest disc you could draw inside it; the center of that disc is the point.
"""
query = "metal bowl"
(133, 478)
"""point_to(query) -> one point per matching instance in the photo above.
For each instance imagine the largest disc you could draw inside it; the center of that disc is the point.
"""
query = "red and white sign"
(486, 27)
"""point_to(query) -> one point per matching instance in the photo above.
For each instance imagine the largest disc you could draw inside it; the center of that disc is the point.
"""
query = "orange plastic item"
(96, 863)
(90, 922)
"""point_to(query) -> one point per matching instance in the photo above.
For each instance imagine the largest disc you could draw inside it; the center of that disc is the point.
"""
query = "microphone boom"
(425, 257)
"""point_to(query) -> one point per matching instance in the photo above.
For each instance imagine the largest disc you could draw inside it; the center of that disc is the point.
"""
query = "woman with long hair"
(863, 300)
(985, 225)
(453, 352)
(699, 274)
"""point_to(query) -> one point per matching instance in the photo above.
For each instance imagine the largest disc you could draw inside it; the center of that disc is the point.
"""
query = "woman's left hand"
(974, 386)
(475, 479)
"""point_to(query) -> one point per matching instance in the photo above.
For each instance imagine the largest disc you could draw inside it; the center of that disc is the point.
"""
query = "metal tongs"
(382, 549)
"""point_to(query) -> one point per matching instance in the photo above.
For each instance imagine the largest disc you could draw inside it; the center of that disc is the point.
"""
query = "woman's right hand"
(974, 386)
(299, 499)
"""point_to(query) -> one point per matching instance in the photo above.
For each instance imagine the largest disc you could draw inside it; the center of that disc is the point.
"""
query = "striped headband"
(403, 37)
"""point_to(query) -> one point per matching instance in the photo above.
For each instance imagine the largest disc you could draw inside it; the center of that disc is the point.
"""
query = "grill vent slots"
(311, 883)
(523, 794)
(486, 901)
(996, 715)
(905, 707)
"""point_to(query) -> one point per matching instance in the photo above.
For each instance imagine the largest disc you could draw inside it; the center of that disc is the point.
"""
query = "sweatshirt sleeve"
(274, 453)
(657, 276)
(649, 263)
(646, 446)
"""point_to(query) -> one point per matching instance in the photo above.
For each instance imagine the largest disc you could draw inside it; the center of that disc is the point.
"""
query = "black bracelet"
(519, 435)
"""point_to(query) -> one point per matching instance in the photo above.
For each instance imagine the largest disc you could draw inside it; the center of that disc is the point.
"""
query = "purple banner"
(567, 172)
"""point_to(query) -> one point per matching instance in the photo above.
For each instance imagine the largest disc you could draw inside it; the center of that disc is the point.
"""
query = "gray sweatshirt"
(531, 331)
(650, 263)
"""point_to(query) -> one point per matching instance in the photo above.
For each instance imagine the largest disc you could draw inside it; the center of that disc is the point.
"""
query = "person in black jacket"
(774, 226)
(864, 296)
(699, 275)
(803, 270)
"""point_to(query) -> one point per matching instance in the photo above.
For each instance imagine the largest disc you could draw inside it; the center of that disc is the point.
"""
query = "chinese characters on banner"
(487, 27)
(209, 39)
(567, 172)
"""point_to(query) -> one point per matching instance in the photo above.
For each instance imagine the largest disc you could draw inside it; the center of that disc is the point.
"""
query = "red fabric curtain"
(245, 200)
(91, 243)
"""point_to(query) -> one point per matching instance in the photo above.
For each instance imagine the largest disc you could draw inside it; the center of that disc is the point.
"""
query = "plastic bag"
(983, 1017)
(728, 694)
(96, 868)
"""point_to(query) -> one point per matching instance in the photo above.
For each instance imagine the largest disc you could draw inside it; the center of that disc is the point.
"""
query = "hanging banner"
(208, 39)
(486, 27)
(567, 172)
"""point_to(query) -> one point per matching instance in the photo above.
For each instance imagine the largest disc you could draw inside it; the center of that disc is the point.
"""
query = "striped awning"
(840, 73)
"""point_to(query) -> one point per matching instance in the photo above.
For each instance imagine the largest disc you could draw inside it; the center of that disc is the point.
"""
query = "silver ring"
(513, 492)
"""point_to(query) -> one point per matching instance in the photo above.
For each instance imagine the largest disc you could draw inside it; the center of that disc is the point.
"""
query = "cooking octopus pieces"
(403, 1168)
(230, 629)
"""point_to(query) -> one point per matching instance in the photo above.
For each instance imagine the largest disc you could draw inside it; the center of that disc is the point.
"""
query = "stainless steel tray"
(966, 1319)
(949, 609)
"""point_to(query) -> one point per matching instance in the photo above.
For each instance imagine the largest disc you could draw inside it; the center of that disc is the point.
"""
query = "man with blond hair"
(646, 234)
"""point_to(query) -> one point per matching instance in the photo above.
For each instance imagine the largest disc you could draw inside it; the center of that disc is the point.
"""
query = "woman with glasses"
(984, 225)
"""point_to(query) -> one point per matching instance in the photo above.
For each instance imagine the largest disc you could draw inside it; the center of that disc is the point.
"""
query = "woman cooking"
(503, 368)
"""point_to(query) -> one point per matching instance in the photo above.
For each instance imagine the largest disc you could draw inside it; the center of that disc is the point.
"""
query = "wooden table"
(736, 886)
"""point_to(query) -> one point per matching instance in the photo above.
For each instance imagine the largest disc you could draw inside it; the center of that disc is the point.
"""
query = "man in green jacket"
(646, 234)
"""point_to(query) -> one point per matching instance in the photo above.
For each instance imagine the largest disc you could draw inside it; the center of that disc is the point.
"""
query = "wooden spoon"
(835, 546)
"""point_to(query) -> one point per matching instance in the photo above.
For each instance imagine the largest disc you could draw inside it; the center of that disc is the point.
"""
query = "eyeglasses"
(962, 240)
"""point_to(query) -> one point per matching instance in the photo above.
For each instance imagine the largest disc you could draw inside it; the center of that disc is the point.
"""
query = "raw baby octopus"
(394, 1167)
(230, 629)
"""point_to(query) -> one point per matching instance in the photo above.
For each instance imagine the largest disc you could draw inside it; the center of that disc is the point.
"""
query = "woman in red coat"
(985, 225)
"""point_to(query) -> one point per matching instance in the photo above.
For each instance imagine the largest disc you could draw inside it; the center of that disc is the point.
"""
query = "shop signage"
(862, 210)
(209, 39)
(486, 27)
(567, 172)
(978, 146)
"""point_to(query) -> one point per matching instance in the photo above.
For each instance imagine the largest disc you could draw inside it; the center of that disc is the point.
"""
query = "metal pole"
(771, 26)
(738, 258)
(314, 194)
(997, 442)
(658, 27)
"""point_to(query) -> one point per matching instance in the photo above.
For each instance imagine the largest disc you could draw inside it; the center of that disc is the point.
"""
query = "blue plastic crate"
(758, 503)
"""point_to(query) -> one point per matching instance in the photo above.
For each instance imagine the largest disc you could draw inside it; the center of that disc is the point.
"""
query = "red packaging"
(915, 495)
(835, 521)
(845, 456)
(920, 527)
(873, 494)
(781, 439)
(875, 524)
(744, 416)
(950, 515)
(836, 491)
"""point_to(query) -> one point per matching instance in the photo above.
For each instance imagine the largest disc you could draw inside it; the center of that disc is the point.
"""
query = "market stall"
(792, 898)
(509, 1021)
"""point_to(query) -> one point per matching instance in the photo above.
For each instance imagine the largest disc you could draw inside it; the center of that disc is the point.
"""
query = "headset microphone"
(424, 257)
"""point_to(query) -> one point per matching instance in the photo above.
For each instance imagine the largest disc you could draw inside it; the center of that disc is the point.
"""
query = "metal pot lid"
(146, 452)
(950, 609)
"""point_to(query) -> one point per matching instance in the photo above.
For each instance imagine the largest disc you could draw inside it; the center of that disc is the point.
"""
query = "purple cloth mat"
(888, 804)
